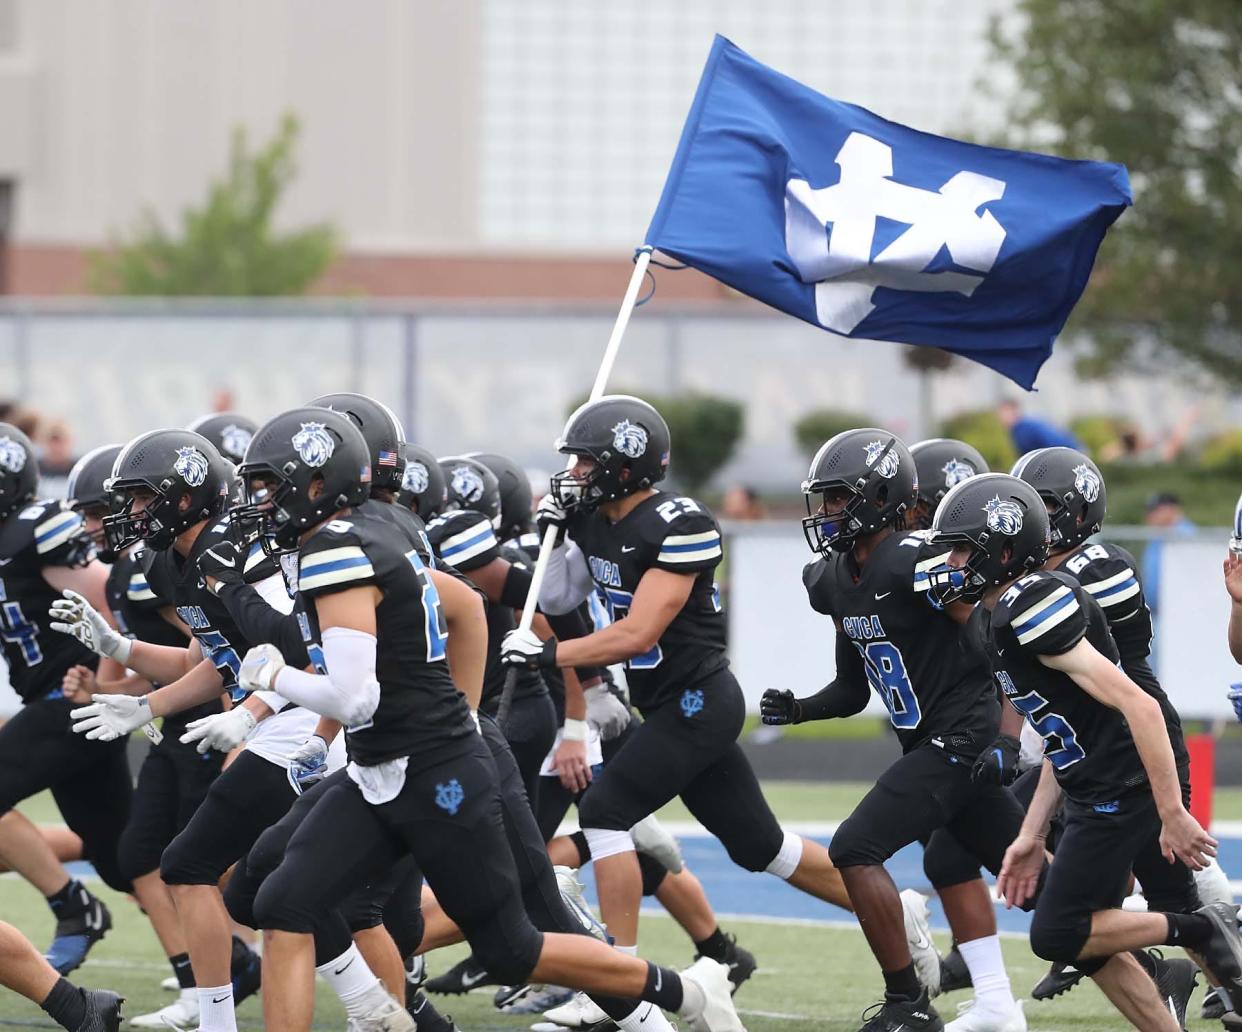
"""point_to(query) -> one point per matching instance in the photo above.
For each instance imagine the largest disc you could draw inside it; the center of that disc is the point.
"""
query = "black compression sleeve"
(259, 622)
(847, 693)
(517, 585)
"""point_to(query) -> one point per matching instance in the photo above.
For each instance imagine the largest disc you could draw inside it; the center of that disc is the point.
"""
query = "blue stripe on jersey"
(58, 525)
(1125, 585)
(698, 546)
(309, 571)
(1044, 614)
(461, 546)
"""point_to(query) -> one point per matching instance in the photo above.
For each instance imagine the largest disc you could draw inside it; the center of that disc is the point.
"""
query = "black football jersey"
(464, 541)
(35, 537)
(663, 532)
(1088, 744)
(421, 714)
(136, 609)
(1108, 574)
(934, 681)
(177, 579)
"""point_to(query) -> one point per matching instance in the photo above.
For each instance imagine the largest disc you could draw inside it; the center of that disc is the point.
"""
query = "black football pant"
(928, 790)
(90, 781)
(531, 732)
(688, 748)
(1100, 846)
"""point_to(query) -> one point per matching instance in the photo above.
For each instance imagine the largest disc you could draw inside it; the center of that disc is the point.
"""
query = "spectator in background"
(1030, 432)
(1166, 517)
(1133, 445)
(56, 459)
(741, 502)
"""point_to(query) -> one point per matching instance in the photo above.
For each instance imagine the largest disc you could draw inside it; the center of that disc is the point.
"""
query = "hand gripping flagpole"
(641, 262)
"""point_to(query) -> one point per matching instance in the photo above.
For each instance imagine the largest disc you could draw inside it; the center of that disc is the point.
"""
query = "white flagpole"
(597, 390)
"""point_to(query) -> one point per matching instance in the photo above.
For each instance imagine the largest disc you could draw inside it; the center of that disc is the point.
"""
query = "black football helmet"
(19, 469)
(941, 463)
(289, 454)
(1072, 486)
(230, 432)
(471, 485)
(516, 497)
(188, 476)
(1002, 520)
(87, 491)
(383, 432)
(422, 487)
(877, 472)
(629, 443)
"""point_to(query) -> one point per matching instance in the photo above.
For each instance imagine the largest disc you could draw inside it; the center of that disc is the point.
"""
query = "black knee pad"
(946, 862)
(578, 838)
(598, 808)
(850, 848)
(752, 852)
(364, 908)
(1183, 900)
(239, 896)
(653, 873)
(275, 909)
(110, 873)
(507, 944)
(1060, 938)
(182, 863)
(136, 855)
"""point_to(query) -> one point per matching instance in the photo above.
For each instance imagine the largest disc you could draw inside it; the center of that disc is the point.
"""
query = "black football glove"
(998, 763)
(778, 706)
(223, 561)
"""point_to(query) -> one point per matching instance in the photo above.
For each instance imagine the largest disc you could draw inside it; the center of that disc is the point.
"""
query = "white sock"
(629, 951)
(646, 1017)
(353, 981)
(215, 1009)
(987, 972)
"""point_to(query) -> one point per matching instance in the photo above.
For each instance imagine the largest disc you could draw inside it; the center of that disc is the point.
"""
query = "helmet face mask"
(833, 525)
(626, 440)
(266, 493)
(151, 522)
(578, 489)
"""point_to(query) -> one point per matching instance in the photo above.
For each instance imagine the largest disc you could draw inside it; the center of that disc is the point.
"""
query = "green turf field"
(824, 976)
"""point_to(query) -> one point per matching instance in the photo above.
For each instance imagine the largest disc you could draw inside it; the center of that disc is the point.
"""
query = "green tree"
(817, 426)
(228, 246)
(1154, 84)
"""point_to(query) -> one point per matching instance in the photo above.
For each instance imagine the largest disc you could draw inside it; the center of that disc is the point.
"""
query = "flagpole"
(601, 381)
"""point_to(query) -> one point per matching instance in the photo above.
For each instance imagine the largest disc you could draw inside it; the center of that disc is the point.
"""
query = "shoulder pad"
(1043, 611)
(817, 579)
(685, 532)
(461, 536)
(333, 557)
(1108, 574)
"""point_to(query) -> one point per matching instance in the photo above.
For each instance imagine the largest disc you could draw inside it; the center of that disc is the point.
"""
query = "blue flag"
(870, 229)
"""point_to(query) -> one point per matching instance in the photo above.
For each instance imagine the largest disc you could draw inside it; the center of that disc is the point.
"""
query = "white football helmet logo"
(467, 483)
(12, 455)
(1004, 517)
(234, 440)
(888, 464)
(1087, 482)
(955, 471)
(629, 439)
(314, 444)
(416, 479)
(191, 465)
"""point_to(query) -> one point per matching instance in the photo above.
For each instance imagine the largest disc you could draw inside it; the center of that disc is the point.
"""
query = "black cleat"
(1175, 980)
(425, 1015)
(954, 974)
(1222, 954)
(103, 1010)
(245, 971)
(1061, 978)
(902, 1016)
(80, 923)
(739, 960)
(460, 978)
(1213, 1008)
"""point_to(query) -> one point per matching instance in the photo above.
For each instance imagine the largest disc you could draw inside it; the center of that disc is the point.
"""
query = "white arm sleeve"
(568, 581)
(349, 693)
(273, 591)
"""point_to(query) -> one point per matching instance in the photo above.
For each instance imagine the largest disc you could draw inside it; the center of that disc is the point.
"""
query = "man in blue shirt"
(1029, 432)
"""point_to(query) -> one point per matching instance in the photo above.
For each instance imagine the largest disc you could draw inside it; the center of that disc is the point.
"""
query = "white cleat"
(652, 838)
(718, 1013)
(170, 984)
(579, 1013)
(918, 935)
(575, 901)
(181, 1013)
(389, 1016)
(975, 1019)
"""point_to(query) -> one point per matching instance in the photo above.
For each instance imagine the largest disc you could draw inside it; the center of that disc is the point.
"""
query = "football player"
(74, 1009)
(941, 463)
(174, 485)
(1074, 492)
(1106, 747)
(175, 777)
(956, 753)
(423, 490)
(230, 432)
(44, 550)
(651, 556)
(421, 779)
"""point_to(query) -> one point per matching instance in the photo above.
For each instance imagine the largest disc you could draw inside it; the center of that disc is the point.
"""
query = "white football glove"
(606, 713)
(108, 717)
(308, 763)
(521, 648)
(221, 731)
(74, 616)
(259, 668)
(550, 513)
